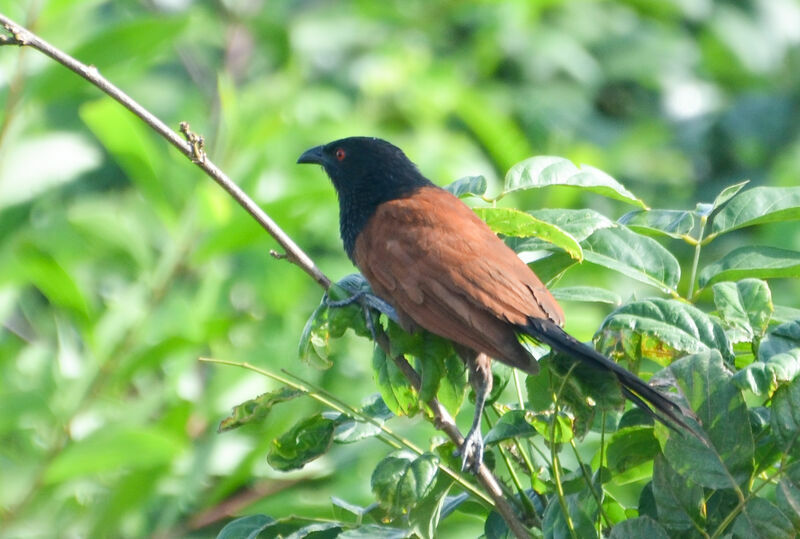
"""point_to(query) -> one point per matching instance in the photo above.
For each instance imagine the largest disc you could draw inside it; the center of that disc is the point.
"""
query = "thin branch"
(21, 36)
(193, 149)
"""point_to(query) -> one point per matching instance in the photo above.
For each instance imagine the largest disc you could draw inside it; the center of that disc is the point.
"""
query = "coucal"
(442, 269)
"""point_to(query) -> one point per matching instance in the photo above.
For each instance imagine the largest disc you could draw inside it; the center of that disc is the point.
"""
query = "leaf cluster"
(733, 367)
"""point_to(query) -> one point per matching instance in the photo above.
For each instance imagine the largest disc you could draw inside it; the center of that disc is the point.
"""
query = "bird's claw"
(471, 452)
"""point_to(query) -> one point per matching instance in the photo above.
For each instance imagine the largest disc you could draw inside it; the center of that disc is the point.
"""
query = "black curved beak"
(312, 155)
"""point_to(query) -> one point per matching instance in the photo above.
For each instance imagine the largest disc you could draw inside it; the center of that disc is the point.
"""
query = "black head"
(365, 172)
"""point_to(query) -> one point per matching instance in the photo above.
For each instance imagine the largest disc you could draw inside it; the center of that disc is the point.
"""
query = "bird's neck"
(357, 206)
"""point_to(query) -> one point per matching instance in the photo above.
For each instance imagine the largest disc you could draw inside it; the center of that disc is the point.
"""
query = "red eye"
(340, 154)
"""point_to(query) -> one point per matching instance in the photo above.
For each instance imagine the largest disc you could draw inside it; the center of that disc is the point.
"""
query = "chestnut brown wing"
(440, 266)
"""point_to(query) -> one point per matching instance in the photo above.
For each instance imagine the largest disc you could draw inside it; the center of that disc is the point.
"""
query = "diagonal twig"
(193, 149)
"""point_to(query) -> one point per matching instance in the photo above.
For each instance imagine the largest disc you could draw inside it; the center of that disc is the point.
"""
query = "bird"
(442, 269)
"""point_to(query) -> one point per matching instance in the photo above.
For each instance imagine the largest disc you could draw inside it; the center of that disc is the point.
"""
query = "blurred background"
(121, 263)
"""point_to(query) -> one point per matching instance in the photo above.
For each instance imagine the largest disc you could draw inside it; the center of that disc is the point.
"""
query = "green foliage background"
(121, 264)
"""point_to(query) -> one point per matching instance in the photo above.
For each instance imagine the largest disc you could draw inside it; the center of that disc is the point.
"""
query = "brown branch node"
(17, 36)
(196, 141)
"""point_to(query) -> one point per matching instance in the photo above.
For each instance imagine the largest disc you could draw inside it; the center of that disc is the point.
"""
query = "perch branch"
(192, 148)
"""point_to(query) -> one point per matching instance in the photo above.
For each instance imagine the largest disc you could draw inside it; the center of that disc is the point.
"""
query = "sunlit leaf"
(660, 330)
(468, 186)
(745, 308)
(25, 175)
(586, 294)
(511, 222)
(132, 144)
(543, 171)
(111, 450)
(762, 377)
(756, 206)
(672, 223)
(635, 256)
(752, 261)
(726, 194)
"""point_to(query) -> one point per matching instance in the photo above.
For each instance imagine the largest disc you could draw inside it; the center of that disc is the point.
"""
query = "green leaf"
(424, 517)
(349, 430)
(24, 175)
(248, 527)
(587, 294)
(631, 446)
(752, 261)
(555, 432)
(543, 171)
(549, 267)
(375, 531)
(132, 144)
(636, 256)
(305, 441)
(643, 526)
(580, 224)
(660, 330)
(511, 222)
(113, 449)
(762, 377)
(679, 501)
(783, 314)
(785, 417)
(726, 460)
(512, 424)
(783, 338)
(726, 194)
(760, 519)
(745, 308)
(342, 509)
(787, 494)
(580, 387)
(468, 186)
(313, 345)
(582, 508)
(453, 385)
(395, 389)
(756, 206)
(673, 223)
(402, 480)
(50, 277)
(318, 530)
(257, 409)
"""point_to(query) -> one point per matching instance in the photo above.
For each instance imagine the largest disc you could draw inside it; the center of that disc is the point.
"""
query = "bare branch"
(21, 36)
(192, 148)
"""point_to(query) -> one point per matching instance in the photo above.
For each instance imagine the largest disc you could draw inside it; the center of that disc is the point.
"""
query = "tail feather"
(634, 388)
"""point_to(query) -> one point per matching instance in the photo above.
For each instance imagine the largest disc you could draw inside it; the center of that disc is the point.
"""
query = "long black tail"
(633, 387)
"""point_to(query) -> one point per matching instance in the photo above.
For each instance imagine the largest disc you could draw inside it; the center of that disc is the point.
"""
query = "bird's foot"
(471, 451)
(344, 302)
